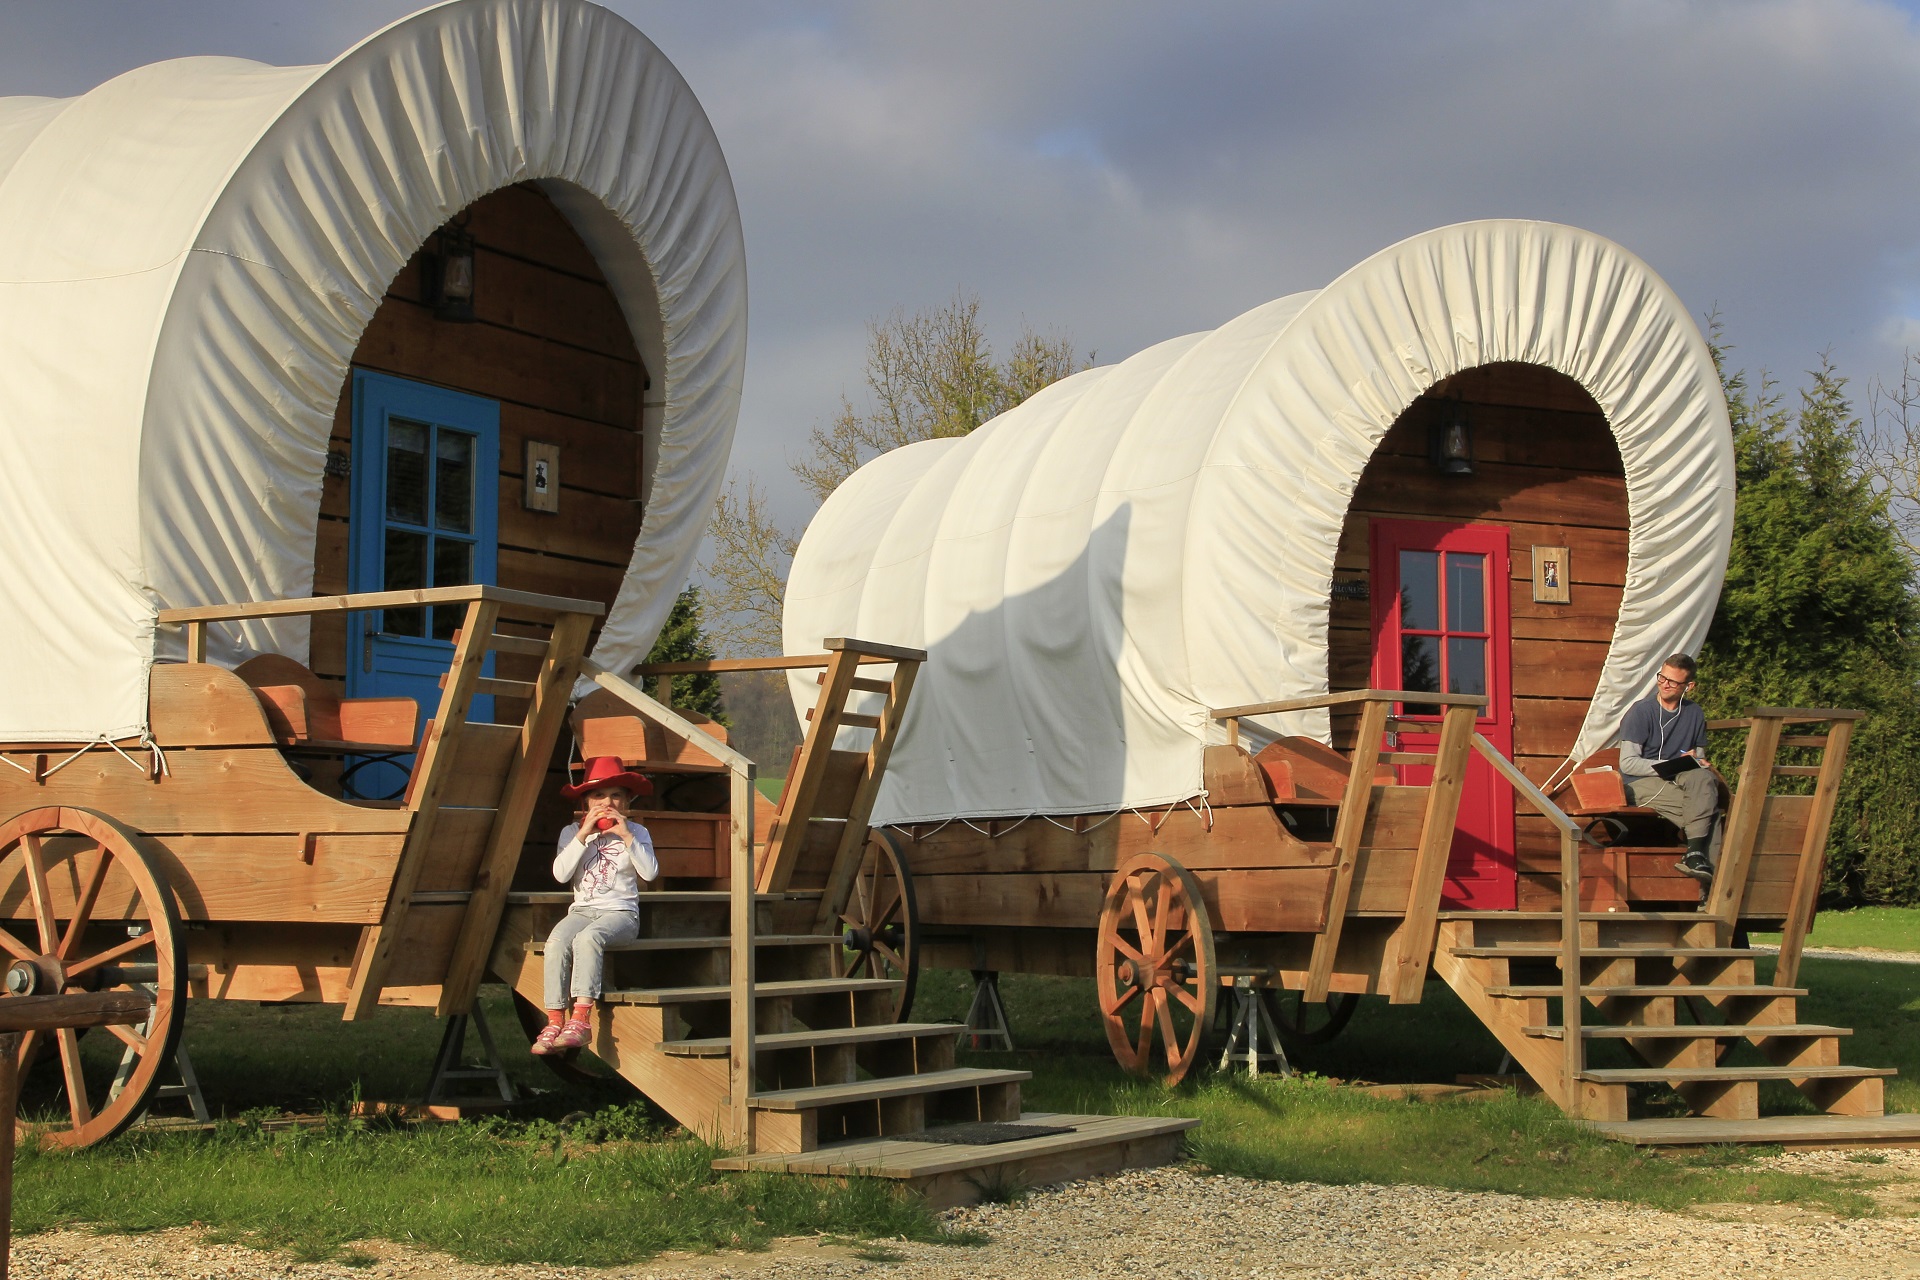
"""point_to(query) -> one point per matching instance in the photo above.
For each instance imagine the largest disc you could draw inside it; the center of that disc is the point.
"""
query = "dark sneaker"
(1697, 866)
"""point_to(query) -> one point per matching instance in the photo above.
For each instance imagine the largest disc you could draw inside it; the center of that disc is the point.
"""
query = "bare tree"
(929, 375)
(1891, 452)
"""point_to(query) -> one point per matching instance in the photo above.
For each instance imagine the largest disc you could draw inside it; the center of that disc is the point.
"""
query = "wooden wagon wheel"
(1155, 966)
(82, 909)
(1301, 1023)
(880, 925)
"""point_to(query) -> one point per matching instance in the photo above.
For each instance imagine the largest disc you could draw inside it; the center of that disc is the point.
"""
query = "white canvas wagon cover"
(189, 254)
(1095, 569)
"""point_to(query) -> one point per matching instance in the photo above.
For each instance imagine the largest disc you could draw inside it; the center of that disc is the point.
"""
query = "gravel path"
(1172, 1224)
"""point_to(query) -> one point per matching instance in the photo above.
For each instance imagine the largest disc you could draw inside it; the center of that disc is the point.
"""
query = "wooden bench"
(309, 718)
(1637, 848)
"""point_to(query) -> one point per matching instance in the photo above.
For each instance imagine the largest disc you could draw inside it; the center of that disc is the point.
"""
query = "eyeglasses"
(1676, 684)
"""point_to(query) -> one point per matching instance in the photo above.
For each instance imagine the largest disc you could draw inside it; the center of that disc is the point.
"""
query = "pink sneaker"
(575, 1035)
(543, 1043)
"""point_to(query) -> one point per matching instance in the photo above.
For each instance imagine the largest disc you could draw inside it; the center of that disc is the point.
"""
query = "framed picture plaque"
(543, 476)
(1552, 577)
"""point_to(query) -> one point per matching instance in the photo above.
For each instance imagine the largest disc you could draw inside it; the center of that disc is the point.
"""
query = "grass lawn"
(531, 1189)
(1886, 928)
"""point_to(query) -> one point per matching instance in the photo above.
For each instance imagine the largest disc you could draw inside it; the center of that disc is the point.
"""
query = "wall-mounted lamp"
(452, 274)
(1450, 440)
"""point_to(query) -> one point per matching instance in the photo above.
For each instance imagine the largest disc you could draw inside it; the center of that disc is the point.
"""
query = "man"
(1663, 759)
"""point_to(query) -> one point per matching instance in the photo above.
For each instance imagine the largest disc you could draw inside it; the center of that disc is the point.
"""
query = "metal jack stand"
(1252, 1040)
(189, 1086)
(986, 1016)
(447, 1065)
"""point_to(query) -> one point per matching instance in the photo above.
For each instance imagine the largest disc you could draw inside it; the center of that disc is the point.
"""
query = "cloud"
(1128, 171)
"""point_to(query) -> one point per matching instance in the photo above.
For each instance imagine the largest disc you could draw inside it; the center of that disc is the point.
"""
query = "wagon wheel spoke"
(1163, 911)
(83, 908)
(1120, 945)
(1120, 1001)
(1184, 944)
(131, 1038)
(1190, 998)
(1148, 1011)
(1163, 1015)
(16, 948)
(69, 1041)
(1142, 924)
(116, 952)
(886, 917)
(31, 851)
(891, 956)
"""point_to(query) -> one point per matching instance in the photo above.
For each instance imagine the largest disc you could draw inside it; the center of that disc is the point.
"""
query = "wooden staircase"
(1657, 985)
(748, 1014)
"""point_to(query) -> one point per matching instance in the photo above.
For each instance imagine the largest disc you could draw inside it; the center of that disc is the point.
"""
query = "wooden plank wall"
(551, 345)
(1548, 469)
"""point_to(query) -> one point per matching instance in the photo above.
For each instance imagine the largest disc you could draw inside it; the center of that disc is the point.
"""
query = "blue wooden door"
(425, 506)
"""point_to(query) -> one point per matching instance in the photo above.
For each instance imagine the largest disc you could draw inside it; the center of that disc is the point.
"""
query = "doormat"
(984, 1133)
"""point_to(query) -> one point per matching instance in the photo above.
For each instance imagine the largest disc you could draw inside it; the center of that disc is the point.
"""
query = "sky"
(1123, 172)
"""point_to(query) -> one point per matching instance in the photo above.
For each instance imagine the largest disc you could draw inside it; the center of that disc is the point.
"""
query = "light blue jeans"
(576, 952)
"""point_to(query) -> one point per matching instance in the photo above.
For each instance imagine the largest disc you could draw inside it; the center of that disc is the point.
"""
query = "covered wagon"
(345, 409)
(1254, 658)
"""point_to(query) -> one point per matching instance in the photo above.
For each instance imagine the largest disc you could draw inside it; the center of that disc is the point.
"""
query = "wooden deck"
(948, 1175)
(1803, 1132)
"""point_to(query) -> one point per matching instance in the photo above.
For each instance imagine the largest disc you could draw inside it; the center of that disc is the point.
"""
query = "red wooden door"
(1440, 624)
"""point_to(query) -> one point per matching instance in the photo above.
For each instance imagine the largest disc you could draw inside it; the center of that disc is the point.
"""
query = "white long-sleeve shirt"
(604, 872)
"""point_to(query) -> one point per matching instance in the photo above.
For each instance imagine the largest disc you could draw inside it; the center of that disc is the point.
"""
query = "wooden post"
(1743, 824)
(853, 836)
(9, 1105)
(1813, 854)
(196, 642)
(1348, 827)
(740, 1051)
(433, 764)
(1573, 1048)
(1413, 940)
(558, 670)
(788, 832)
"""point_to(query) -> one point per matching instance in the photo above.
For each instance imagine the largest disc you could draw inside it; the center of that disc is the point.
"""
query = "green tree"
(682, 640)
(1818, 611)
(929, 375)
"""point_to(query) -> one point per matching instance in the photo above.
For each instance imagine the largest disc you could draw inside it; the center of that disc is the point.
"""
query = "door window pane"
(407, 471)
(1466, 592)
(1420, 664)
(453, 483)
(1466, 665)
(1420, 595)
(406, 570)
(452, 567)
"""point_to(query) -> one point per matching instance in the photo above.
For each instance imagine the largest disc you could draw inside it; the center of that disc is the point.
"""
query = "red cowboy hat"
(607, 771)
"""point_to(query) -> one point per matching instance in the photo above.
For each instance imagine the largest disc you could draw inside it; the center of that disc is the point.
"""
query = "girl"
(604, 857)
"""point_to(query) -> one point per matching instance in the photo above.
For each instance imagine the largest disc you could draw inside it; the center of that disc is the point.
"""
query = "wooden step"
(1697, 1075)
(660, 897)
(710, 943)
(1677, 989)
(717, 1046)
(1551, 951)
(796, 987)
(828, 1095)
(1806, 1132)
(949, 1174)
(1716, 1031)
(1688, 917)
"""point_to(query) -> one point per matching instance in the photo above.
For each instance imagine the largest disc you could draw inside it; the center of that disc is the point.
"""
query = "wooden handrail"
(1346, 696)
(1573, 1055)
(377, 600)
(740, 1052)
(871, 654)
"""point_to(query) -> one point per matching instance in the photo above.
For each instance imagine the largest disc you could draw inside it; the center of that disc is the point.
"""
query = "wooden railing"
(1413, 943)
(740, 1052)
(546, 695)
(1573, 1047)
(1766, 734)
(841, 661)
